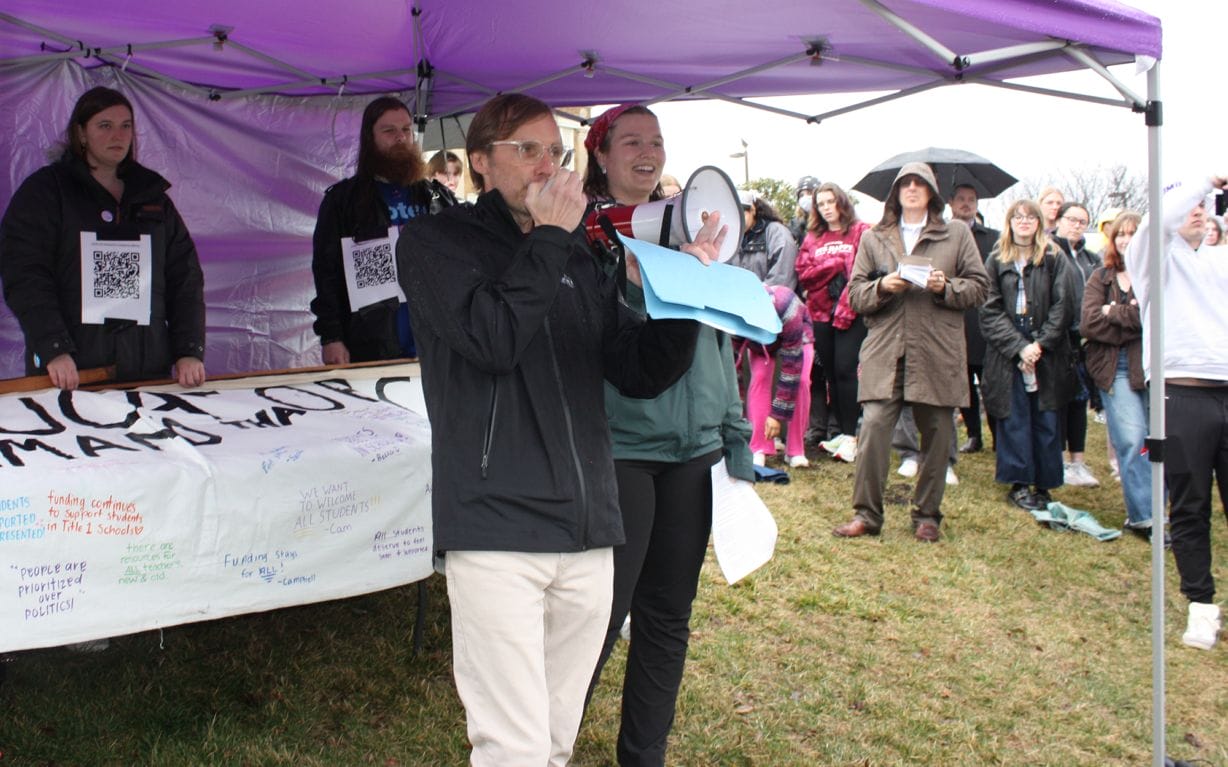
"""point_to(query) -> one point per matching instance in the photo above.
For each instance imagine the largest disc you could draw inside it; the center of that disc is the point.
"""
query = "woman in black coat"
(54, 237)
(1029, 373)
(1072, 222)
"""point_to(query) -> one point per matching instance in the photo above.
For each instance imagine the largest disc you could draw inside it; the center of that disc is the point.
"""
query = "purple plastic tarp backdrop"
(249, 169)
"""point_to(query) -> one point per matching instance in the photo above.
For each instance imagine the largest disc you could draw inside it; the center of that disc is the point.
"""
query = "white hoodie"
(1195, 284)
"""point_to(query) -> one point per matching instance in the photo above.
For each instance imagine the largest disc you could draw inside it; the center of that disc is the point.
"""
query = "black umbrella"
(951, 167)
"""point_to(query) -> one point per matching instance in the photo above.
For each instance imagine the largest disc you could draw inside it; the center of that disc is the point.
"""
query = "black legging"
(667, 516)
(838, 351)
(1073, 419)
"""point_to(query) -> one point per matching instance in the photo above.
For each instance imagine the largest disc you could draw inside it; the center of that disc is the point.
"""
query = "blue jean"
(1127, 413)
(1028, 446)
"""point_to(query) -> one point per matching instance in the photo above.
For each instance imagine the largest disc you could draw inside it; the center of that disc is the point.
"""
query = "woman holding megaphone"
(664, 449)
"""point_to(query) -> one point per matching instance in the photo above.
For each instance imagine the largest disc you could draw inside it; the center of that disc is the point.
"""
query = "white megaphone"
(708, 190)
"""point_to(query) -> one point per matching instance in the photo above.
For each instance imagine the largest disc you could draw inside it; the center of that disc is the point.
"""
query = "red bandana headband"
(601, 126)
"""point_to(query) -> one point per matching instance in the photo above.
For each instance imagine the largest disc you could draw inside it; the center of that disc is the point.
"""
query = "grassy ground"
(1006, 644)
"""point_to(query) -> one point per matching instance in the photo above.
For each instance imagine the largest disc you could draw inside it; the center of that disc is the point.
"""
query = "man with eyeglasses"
(360, 316)
(518, 330)
(1195, 284)
(1072, 222)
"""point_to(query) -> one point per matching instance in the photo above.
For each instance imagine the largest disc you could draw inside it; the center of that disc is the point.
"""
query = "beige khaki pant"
(526, 633)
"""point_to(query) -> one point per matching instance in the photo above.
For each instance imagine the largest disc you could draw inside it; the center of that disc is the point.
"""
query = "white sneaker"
(847, 451)
(833, 444)
(759, 458)
(1072, 476)
(624, 633)
(798, 462)
(780, 445)
(1085, 474)
(908, 468)
(951, 478)
(1202, 627)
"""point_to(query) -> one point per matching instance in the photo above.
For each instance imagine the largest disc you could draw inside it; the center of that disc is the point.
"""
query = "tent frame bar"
(1089, 61)
(255, 54)
(944, 54)
(1157, 424)
(1050, 92)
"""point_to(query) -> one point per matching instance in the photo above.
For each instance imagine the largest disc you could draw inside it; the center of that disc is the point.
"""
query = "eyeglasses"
(1020, 218)
(1076, 221)
(532, 151)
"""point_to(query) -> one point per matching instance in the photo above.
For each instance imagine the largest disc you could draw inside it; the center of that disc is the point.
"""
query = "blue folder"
(728, 298)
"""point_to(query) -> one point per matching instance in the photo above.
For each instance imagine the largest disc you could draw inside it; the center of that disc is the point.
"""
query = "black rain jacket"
(353, 208)
(40, 264)
(516, 333)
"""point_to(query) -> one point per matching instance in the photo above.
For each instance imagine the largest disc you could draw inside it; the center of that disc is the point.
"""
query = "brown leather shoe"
(853, 529)
(927, 532)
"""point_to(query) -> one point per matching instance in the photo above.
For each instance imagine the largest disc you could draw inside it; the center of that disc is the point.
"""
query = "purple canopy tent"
(251, 108)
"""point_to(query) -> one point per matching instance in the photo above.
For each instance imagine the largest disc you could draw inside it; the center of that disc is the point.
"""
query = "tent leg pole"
(1157, 425)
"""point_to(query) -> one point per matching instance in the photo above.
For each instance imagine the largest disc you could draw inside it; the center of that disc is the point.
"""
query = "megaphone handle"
(620, 269)
(666, 216)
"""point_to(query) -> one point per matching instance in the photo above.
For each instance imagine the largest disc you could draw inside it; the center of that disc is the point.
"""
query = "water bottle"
(1029, 379)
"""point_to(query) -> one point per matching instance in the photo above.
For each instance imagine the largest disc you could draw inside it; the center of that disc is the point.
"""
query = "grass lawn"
(1005, 644)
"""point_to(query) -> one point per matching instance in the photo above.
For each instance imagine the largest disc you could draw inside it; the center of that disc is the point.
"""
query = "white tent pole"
(267, 58)
(1014, 52)
(125, 66)
(845, 59)
(471, 84)
(702, 88)
(1089, 61)
(335, 80)
(1156, 442)
(424, 78)
(523, 87)
(37, 29)
(947, 55)
(880, 100)
(1050, 92)
(118, 50)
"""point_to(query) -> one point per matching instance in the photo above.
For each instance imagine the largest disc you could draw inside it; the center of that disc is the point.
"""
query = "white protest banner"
(116, 279)
(122, 511)
(743, 530)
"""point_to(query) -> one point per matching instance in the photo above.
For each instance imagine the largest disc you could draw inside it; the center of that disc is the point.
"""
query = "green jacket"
(699, 414)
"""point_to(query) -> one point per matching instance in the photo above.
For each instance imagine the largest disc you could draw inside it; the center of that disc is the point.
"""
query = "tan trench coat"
(925, 329)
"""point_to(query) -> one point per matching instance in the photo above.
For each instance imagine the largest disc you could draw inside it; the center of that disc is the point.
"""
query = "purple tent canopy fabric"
(252, 122)
(476, 48)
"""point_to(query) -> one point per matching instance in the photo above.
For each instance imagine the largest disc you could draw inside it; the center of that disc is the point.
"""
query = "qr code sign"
(117, 274)
(373, 265)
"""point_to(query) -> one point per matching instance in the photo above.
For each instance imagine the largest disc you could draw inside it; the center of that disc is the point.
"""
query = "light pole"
(745, 155)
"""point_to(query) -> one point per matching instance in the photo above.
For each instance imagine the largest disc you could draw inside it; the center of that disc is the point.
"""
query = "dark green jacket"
(699, 414)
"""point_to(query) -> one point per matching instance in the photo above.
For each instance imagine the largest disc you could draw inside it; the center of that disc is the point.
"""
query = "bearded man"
(360, 314)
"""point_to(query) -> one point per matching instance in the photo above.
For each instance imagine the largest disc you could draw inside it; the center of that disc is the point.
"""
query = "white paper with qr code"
(371, 270)
(743, 530)
(116, 279)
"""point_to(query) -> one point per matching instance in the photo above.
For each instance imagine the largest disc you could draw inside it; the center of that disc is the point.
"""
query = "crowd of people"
(572, 486)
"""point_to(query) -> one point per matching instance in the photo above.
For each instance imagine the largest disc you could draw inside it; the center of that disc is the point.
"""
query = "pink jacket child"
(790, 402)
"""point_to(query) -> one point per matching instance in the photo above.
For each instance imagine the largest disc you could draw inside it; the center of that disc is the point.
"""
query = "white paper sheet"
(371, 270)
(116, 279)
(917, 274)
(743, 530)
